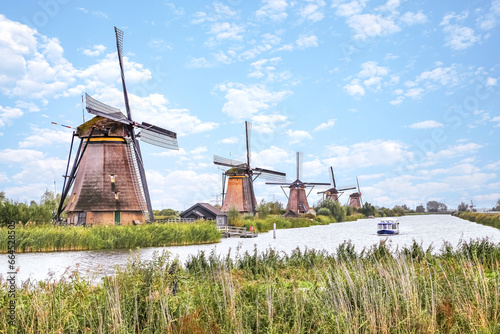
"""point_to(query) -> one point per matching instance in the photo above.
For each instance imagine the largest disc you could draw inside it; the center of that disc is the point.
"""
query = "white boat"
(388, 226)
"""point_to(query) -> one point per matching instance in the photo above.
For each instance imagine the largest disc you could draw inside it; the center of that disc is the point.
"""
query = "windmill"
(240, 177)
(334, 193)
(472, 206)
(107, 179)
(297, 198)
(355, 198)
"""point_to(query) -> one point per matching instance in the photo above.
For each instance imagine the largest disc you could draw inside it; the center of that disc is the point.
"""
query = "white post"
(274, 230)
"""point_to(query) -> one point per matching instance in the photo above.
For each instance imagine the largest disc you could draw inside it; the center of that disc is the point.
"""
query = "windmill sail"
(101, 109)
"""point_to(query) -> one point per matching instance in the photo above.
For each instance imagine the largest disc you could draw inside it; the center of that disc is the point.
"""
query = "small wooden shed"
(205, 211)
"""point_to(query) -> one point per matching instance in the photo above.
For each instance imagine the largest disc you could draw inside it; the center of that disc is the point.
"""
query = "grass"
(377, 290)
(46, 239)
(488, 219)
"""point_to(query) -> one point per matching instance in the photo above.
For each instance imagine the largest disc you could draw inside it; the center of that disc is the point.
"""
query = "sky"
(402, 94)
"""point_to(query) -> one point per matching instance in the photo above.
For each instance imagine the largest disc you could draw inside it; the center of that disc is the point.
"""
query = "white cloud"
(323, 126)
(273, 9)
(46, 137)
(354, 88)
(245, 101)
(227, 30)
(298, 136)
(411, 18)
(229, 140)
(307, 41)
(8, 114)
(414, 93)
(458, 37)
(269, 123)
(351, 8)
(369, 25)
(312, 11)
(367, 154)
(95, 51)
(491, 81)
(496, 120)
(426, 125)
(489, 20)
(267, 158)
(454, 151)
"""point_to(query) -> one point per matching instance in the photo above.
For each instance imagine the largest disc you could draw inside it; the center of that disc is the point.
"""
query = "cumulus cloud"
(458, 37)
(297, 136)
(8, 114)
(247, 100)
(95, 51)
(274, 10)
(307, 41)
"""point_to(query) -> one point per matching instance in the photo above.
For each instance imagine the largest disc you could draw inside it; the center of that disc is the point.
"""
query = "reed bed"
(376, 290)
(59, 238)
(488, 219)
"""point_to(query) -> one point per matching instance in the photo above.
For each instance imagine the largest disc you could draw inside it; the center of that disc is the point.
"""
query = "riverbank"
(380, 290)
(488, 219)
(66, 238)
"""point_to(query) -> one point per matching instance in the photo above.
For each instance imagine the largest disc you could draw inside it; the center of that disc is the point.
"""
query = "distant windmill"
(240, 193)
(108, 171)
(334, 193)
(472, 206)
(297, 198)
(355, 198)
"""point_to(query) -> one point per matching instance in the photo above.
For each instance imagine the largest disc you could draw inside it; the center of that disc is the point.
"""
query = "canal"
(426, 230)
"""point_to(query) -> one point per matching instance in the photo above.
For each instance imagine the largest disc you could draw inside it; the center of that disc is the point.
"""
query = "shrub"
(324, 212)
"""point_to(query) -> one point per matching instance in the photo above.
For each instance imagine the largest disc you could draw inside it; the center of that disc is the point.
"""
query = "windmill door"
(117, 218)
(82, 218)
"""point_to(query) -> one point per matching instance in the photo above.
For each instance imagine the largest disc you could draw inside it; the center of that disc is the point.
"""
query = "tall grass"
(488, 219)
(377, 290)
(44, 239)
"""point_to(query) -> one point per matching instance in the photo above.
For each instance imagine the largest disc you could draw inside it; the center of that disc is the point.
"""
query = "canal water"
(426, 230)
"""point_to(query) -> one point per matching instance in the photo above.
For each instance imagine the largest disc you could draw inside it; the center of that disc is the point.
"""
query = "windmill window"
(73, 199)
(112, 178)
(116, 195)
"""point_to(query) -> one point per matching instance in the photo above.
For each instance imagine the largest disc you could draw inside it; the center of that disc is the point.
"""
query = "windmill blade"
(299, 165)
(271, 175)
(351, 187)
(228, 162)
(248, 131)
(359, 192)
(280, 183)
(155, 135)
(119, 48)
(315, 184)
(101, 109)
(332, 177)
(142, 173)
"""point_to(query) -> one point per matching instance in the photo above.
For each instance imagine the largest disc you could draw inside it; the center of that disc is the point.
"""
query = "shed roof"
(206, 206)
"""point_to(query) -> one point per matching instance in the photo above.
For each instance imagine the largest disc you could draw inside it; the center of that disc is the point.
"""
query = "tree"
(368, 209)
(263, 209)
(463, 207)
(435, 206)
(420, 209)
(497, 208)
(337, 210)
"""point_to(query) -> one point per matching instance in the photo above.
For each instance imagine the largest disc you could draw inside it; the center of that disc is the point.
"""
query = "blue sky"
(403, 94)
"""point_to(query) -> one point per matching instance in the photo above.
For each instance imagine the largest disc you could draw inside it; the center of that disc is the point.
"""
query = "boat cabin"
(388, 226)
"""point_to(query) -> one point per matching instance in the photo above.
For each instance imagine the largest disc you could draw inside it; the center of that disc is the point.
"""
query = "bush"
(337, 211)
(324, 212)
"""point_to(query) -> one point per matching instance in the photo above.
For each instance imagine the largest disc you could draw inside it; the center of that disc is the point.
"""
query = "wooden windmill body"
(297, 197)
(334, 193)
(355, 198)
(240, 176)
(107, 182)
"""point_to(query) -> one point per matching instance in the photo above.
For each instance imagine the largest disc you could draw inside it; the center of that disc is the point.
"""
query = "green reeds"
(377, 290)
(58, 238)
(488, 219)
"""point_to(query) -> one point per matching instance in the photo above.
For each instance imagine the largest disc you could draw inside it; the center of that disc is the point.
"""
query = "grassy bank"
(50, 238)
(488, 219)
(265, 225)
(379, 291)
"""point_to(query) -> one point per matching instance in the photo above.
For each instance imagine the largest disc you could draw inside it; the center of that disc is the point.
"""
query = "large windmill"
(108, 171)
(297, 198)
(355, 198)
(240, 177)
(334, 193)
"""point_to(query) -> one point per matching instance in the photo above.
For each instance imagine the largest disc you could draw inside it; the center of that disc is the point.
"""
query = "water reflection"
(427, 230)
